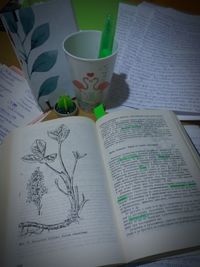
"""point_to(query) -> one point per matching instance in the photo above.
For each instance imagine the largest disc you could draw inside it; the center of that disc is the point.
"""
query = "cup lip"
(87, 59)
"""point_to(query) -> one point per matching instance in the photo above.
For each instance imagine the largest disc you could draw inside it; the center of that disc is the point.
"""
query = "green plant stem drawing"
(64, 181)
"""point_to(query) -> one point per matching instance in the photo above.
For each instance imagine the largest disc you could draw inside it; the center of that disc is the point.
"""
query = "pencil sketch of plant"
(23, 28)
(64, 180)
(36, 189)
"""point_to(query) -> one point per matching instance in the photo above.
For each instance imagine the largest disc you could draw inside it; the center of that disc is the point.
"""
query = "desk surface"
(53, 115)
(90, 15)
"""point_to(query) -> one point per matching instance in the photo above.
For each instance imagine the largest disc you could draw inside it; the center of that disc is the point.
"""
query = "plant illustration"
(64, 180)
(22, 28)
(36, 189)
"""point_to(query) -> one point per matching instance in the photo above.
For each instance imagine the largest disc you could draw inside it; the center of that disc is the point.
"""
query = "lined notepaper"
(160, 57)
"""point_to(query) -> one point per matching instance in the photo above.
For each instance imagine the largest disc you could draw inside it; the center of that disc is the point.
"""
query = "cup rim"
(86, 59)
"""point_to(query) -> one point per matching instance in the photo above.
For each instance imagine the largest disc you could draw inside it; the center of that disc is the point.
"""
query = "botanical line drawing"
(36, 189)
(64, 180)
(22, 26)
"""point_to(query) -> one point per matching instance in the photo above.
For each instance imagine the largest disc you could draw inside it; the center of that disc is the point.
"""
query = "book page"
(155, 181)
(59, 210)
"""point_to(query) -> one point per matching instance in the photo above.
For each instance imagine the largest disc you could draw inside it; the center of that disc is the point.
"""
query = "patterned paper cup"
(91, 76)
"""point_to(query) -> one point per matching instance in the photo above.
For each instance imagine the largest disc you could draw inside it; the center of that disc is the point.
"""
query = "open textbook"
(159, 58)
(79, 193)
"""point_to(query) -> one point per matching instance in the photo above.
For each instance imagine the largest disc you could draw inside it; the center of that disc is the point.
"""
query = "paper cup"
(91, 76)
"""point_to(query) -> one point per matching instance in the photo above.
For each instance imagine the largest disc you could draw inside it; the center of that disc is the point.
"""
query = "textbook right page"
(154, 176)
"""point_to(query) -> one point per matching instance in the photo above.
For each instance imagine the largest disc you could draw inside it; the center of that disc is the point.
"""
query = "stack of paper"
(159, 58)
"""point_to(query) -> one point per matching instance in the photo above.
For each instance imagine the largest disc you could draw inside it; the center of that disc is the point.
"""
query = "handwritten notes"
(17, 105)
(161, 58)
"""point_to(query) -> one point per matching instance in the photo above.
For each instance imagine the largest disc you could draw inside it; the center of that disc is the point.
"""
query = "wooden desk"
(3, 3)
(192, 6)
(53, 115)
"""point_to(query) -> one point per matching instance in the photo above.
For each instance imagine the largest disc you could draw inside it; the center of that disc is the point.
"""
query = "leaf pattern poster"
(37, 33)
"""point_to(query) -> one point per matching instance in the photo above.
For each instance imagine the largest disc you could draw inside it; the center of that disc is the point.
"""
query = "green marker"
(107, 38)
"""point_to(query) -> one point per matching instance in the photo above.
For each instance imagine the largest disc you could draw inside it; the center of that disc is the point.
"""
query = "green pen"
(107, 38)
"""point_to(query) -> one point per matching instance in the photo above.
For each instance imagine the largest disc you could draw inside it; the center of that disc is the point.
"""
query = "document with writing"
(18, 106)
(162, 59)
(86, 194)
(125, 20)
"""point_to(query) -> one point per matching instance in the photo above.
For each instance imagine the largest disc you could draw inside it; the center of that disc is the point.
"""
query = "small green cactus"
(65, 105)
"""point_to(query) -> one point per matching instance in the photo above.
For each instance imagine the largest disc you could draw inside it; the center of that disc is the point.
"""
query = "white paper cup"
(91, 76)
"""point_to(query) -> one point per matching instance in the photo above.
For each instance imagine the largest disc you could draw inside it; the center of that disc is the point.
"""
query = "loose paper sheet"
(161, 58)
(18, 106)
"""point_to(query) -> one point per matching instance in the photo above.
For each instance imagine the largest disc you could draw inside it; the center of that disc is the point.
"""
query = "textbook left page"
(58, 208)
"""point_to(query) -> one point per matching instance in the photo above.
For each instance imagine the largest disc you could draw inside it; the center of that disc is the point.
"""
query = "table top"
(53, 115)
